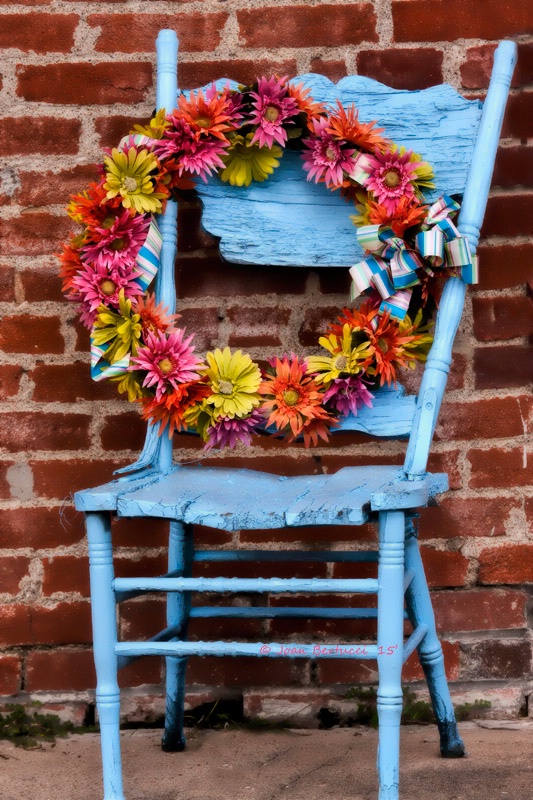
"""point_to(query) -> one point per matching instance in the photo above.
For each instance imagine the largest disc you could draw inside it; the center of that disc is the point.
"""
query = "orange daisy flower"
(70, 264)
(344, 125)
(154, 317)
(406, 214)
(172, 407)
(207, 116)
(397, 344)
(91, 208)
(304, 101)
(294, 400)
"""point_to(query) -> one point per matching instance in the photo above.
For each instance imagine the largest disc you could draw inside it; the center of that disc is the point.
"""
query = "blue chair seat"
(246, 499)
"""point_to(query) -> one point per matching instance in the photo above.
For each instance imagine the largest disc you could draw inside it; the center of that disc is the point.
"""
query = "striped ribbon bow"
(392, 264)
(147, 265)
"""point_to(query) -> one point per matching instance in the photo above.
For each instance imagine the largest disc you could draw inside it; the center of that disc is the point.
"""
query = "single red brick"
(33, 234)
(60, 478)
(473, 516)
(448, 462)
(200, 73)
(496, 659)
(24, 430)
(123, 432)
(5, 488)
(142, 618)
(10, 674)
(494, 418)
(112, 129)
(27, 2)
(308, 26)
(45, 135)
(12, 570)
(56, 32)
(476, 69)
(86, 84)
(198, 277)
(16, 625)
(205, 324)
(502, 317)
(518, 116)
(510, 563)
(197, 31)
(444, 568)
(345, 671)
(415, 68)
(509, 215)
(424, 20)
(479, 609)
(10, 375)
(57, 526)
(68, 383)
(147, 671)
(66, 574)
(257, 326)
(500, 468)
(412, 670)
(41, 284)
(7, 283)
(60, 670)
(140, 532)
(28, 334)
(332, 69)
(315, 322)
(504, 266)
(63, 623)
(514, 166)
(236, 672)
(36, 188)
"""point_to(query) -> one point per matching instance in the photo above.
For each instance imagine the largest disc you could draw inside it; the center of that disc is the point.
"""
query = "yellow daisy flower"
(344, 358)
(121, 331)
(156, 127)
(234, 381)
(246, 162)
(132, 176)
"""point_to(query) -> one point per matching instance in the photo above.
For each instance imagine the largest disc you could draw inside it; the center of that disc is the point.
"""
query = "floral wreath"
(239, 135)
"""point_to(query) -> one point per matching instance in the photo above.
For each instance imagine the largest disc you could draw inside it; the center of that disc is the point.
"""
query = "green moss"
(26, 727)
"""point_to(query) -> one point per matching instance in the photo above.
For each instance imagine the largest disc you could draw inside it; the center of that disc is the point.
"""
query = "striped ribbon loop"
(393, 267)
(148, 259)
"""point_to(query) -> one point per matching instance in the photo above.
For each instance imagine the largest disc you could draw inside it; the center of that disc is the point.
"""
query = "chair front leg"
(390, 649)
(420, 612)
(103, 609)
(178, 607)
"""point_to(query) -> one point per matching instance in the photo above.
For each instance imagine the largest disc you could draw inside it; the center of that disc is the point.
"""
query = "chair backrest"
(288, 220)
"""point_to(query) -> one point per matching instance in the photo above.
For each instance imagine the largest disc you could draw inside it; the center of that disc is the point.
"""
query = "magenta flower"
(346, 395)
(327, 158)
(226, 432)
(273, 107)
(117, 241)
(168, 360)
(96, 284)
(392, 176)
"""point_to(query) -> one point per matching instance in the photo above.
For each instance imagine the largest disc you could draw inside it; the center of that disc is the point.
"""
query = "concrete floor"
(337, 764)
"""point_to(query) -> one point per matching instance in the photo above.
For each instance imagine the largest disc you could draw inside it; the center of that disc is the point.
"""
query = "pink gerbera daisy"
(327, 159)
(168, 360)
(346, 395)
(273, 107)
(96, 284)
(226, 432)
(392, 176)
(117, 241)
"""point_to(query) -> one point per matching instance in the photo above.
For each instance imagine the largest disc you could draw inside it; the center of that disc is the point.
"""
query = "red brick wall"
(72, 78)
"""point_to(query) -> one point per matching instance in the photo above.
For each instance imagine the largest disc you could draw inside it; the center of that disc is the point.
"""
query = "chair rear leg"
(103, 608)
(178, 607)
(390, 639)
(420, 611)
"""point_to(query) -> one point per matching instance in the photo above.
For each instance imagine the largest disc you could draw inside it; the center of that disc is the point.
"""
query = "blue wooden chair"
(453, 135)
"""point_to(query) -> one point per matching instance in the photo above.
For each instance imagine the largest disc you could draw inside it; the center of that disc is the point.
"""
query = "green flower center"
(108, 287)
(391, 178)
(108, 222)
(225, 387)
(383, 346)
(129, 183)
(165, 365)
(331, 153)
(271, 113)
(204, 122)
(340, 363)
(290, 397)
(118, 244)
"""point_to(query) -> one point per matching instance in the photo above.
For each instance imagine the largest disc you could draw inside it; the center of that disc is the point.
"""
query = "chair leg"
(420, 611)
(178, 607)
(103, 609)
(390, 639)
